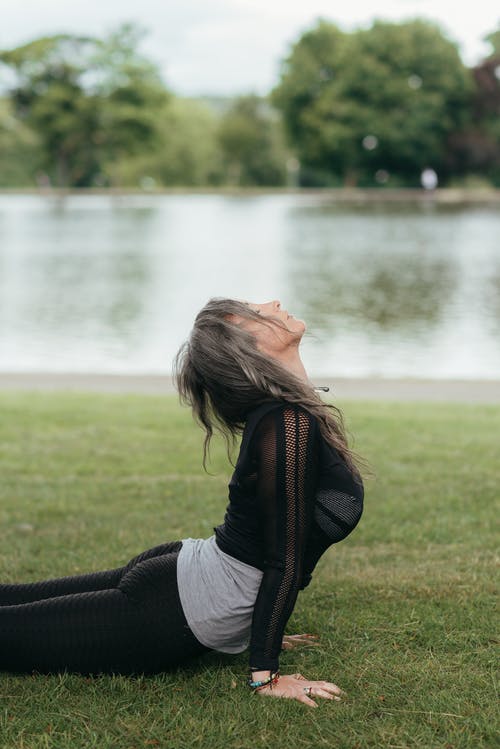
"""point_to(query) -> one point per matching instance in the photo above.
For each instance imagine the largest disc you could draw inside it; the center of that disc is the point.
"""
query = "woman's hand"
(292, 641)
(297, 687)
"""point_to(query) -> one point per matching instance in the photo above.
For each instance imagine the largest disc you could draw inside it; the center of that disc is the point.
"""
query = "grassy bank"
(404, 606)
(349, 195)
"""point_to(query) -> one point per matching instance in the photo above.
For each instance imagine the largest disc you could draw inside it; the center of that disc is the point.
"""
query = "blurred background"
(345, 162)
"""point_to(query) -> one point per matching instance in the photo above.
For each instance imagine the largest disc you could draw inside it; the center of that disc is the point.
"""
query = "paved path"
(462, 391)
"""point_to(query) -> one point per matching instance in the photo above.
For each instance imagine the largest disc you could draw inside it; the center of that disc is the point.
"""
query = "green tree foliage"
(487, 94)
(374, 106)
(86, 99)
(306, 74)
(494, 40)
(186, 152)
(20, 150)
(250, 138)
(48, 98)
(380, 100)
(473, 153)
(131, 95)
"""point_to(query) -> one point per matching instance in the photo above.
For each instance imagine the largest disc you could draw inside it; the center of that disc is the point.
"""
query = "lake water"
(96, 283)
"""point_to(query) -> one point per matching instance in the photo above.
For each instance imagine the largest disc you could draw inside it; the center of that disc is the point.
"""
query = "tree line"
(372, 107)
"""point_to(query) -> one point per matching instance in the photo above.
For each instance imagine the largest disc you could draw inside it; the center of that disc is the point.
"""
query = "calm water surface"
(94, 283)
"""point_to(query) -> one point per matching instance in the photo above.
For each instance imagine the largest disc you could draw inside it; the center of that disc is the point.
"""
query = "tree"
(494, 40)
(380, 100)
(305, 76)
(131, 95)
(250, 138)
(20, 151)
(186, 153)
(476, 148)
(48, 98)
(86, 99)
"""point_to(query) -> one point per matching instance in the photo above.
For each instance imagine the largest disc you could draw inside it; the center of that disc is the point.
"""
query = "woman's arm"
(284, 448)
(285, 451)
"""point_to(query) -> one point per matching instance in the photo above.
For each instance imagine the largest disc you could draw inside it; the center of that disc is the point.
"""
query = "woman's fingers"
(322, 689)
(307, 700)
(329, 687)
(291, 641)
(302, 638)
(307, 696)
(319, 692)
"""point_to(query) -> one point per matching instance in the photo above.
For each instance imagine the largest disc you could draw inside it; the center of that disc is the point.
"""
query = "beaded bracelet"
(272, 679)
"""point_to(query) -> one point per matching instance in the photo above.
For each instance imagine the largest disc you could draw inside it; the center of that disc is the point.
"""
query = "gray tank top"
(217, 593)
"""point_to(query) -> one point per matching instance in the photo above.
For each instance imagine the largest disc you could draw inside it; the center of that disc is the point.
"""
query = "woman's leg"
(138, 627)
(11, 594)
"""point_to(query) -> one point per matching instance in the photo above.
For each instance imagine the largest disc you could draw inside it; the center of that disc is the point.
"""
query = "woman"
(295, 491)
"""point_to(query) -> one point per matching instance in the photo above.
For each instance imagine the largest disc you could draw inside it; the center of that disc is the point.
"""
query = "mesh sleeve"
(283, 449)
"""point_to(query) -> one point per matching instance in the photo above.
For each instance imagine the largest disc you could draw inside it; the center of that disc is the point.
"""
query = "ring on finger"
(308, 690)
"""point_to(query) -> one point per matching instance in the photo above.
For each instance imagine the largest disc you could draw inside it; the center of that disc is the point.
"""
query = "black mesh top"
(290, 497)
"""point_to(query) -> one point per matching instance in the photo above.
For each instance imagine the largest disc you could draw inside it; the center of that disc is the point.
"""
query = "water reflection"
(78, 280)
(97, 295)
(491, 301)
(381, 271)
(95, 283)
(380, 290)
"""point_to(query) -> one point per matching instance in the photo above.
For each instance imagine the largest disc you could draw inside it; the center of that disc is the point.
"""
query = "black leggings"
(126, 620)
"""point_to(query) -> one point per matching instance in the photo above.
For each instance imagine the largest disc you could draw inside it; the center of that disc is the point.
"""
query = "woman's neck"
(290, 359)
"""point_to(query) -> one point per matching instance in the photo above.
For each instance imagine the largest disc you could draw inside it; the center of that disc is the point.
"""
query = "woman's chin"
(296, 326)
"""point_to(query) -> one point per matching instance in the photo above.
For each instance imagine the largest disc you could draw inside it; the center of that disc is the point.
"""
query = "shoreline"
(355, 195)
(343, 388)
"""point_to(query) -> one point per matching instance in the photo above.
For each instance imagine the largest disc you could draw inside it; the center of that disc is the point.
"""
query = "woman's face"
(273, 339)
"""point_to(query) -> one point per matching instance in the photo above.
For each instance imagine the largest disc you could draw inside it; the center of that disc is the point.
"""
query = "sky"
(228, 47)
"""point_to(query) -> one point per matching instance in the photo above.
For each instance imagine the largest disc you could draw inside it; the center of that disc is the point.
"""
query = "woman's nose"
(276, 304)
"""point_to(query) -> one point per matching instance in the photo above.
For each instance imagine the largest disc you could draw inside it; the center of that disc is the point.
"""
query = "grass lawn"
(404, 606)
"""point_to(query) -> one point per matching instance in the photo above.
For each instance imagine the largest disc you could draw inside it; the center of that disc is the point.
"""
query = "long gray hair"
(222, 375)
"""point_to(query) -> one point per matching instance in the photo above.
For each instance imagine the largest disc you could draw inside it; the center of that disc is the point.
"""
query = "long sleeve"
(285, 455)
